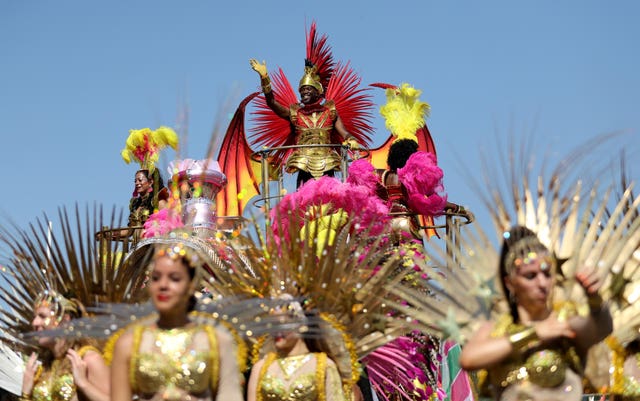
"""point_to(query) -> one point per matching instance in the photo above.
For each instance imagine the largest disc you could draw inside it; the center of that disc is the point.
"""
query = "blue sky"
(77, 75)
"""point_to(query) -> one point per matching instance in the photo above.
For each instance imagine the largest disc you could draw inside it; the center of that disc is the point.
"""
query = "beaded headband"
(526, 251)
(58, 304)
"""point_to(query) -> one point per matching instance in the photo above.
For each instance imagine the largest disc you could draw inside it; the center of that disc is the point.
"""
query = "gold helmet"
(311, 77)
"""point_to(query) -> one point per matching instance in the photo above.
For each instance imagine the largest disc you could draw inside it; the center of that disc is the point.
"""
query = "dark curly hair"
(399, 153)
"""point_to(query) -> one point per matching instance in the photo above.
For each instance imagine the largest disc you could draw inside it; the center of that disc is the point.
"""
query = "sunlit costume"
(54, 380)
(156, 364)
(342, 98)
(143, 146)
(299, 378)
(411, 186)
(38, 274)
(575, 235)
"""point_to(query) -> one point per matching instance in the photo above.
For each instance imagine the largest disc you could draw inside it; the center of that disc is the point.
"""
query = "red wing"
(353, 103)
(243, 174)
(270, 130)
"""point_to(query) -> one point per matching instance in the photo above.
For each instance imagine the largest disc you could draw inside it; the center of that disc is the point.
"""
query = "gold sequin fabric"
(313, 129)
(53, 386)
(299, 378)
(173, 363)
(302, 388)
(540, 368)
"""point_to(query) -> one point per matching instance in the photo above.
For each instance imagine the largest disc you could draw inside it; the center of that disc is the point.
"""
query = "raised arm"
(261, 68)
(598, 324)
(333, 384)
(90, 374)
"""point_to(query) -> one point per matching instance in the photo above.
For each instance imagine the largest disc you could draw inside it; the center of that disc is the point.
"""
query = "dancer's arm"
(120, 365)
(229, 388)
(90, 375)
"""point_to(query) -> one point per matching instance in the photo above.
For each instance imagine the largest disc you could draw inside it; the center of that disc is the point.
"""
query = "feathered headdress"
(144, 145)
(572, 225)
(404, 113)
(59, 264)
(319, 64)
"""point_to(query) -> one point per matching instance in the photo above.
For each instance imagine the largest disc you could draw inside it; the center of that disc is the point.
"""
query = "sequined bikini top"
(306, 386)
(56, 384)
(543, 366)
(174, 362)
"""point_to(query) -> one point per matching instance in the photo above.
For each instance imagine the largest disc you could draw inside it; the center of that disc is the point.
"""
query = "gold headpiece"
(58, 304)
(177, 249)
(526, 251)
(311, 78)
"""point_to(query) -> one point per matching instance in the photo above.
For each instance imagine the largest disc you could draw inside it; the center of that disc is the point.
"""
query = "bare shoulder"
(93, 356)
(124, 342)
(224, 336)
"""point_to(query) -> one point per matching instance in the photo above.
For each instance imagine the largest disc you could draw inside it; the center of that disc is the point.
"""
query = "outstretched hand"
(591, 281)
(260, 68)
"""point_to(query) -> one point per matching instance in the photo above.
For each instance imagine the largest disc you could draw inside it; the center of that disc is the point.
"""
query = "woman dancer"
(535, 352)
(67, 368)
(298, 369)
(173, 358)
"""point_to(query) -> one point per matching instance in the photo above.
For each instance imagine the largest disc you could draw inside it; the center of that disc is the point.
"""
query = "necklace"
(291, 364)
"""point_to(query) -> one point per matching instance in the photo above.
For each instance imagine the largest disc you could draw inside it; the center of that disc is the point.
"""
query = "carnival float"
(299, 225)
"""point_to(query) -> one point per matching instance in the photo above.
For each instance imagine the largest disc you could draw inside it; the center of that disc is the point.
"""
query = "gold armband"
(25, 397)
(523, 338)
(595, 302)
(266, 84)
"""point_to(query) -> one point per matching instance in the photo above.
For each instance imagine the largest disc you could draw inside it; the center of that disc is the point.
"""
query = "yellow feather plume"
(144, 145)
(404, 112)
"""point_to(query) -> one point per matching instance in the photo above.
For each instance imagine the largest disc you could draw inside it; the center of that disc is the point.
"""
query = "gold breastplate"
(167, 362)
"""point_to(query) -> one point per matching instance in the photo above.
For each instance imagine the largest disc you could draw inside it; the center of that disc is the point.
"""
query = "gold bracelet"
(595, 302)
(523, 338)
(266, 88)
(25, 397)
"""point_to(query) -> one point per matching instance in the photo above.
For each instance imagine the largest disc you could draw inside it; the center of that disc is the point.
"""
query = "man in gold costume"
(315, 122)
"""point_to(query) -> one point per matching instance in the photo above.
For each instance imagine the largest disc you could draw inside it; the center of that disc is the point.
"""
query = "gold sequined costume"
(542, 373)
(313, 126)
(55, 383)
(177, 364)
(306, 377)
